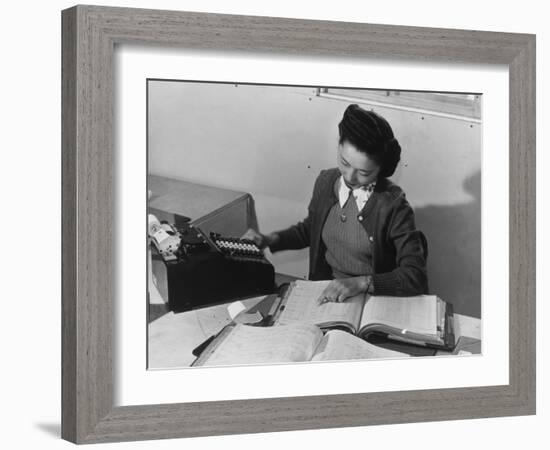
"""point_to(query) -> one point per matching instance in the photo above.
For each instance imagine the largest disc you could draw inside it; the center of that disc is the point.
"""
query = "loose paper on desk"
(235, 308)
(340, 345)
(238, 314)
(264, 345)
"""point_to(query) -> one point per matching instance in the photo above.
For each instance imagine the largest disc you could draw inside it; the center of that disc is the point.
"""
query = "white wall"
(30, 183)
(272, 141)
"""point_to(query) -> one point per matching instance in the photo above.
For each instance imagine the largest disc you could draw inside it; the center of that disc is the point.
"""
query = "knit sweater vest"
(349, 251)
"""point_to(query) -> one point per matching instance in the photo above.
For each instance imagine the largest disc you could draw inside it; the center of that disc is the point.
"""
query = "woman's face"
(356, 167)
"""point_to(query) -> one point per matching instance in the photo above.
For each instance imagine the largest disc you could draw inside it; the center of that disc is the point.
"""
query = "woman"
(360, 229)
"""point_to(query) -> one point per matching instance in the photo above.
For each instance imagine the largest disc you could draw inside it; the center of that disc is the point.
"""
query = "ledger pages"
(339, 345)
(244, 344)
(302, 305)
(413, 316)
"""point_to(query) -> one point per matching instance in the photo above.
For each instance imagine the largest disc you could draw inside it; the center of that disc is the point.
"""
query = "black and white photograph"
(275, 225)
(297, 224)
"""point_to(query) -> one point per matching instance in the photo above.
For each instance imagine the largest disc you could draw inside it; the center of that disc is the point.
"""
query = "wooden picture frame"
(89, 37)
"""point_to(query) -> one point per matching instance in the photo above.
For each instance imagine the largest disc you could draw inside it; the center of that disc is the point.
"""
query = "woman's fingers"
(323, 297)
(249, 234)
(334, 292)
(254, 236)
(327, 295)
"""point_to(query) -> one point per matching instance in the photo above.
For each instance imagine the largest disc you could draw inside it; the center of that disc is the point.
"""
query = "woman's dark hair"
(371, 134)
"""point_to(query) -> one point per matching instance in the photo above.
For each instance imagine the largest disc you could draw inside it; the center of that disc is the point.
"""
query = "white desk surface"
(172, 337)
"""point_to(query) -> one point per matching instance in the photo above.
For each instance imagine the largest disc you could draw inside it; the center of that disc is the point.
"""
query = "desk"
(173, 337)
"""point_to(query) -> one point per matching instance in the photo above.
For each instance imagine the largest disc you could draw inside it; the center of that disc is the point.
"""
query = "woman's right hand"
(261, 240)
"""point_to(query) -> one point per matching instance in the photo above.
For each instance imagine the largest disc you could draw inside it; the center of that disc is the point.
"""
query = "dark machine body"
(211, 269)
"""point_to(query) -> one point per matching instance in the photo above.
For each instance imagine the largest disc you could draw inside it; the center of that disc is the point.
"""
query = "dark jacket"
(399, 250)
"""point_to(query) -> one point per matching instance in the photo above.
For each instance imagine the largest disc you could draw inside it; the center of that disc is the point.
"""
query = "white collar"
(361, 194)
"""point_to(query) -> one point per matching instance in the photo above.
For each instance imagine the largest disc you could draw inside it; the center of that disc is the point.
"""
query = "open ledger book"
(423, 320)
(299, 342)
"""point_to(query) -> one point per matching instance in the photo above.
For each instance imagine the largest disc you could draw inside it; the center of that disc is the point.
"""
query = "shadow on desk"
(155, 311)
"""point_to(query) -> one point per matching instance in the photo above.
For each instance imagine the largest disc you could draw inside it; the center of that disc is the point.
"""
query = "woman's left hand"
(342, 288)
